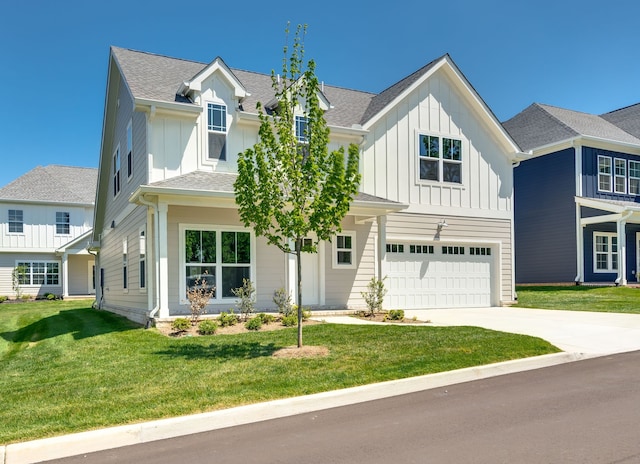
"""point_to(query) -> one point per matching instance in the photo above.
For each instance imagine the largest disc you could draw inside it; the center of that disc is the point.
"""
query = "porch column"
(163, 268)
(382, 244)
(622, 253)
(579, 246)
(65, 275)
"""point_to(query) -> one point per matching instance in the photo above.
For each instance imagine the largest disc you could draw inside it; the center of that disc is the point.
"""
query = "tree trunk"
(299, 263)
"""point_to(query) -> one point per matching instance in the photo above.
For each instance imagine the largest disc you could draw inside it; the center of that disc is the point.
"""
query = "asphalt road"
(582, 412)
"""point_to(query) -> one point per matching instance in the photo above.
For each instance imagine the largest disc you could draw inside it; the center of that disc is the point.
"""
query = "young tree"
(289, 186)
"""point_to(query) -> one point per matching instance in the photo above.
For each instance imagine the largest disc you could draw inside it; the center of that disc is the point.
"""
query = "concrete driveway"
(590, 333)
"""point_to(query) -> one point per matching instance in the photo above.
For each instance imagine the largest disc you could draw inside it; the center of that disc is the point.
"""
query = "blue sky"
(582, 55)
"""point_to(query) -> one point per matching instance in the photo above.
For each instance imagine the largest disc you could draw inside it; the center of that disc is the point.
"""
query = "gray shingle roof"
(627, 119)
(54, 184)
(157, 77)
(540, 125)
(223, 182)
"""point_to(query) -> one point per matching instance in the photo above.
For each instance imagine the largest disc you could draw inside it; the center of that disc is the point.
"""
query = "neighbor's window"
(604, 173)
(16, 224)
(129, 151)
(634, 177)
(217, 128)
(221, 258)
(620, 171)
(605, 252)
(62, 223)
(301, 129)
(344, 245)
(116, 172)
(440, 159)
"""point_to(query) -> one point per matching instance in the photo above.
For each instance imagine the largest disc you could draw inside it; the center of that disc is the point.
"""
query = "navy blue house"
(577, 195)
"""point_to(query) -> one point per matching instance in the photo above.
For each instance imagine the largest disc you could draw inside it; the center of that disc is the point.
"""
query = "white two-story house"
(434, 213)
(46, 217)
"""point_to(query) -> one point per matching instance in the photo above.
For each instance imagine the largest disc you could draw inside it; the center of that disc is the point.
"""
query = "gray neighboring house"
(46, 220)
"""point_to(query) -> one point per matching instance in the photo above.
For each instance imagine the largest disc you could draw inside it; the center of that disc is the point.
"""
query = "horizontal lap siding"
(8, 264)
(415, 227)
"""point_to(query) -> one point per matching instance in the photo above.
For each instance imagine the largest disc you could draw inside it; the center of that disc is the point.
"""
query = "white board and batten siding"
(478, 211)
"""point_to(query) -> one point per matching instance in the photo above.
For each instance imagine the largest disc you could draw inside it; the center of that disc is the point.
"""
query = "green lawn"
(580, 298)
(66, 368)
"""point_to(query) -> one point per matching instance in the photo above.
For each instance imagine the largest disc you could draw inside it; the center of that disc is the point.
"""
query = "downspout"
(156, 252)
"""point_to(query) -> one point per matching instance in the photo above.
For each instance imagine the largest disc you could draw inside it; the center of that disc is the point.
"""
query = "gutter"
(156, 245)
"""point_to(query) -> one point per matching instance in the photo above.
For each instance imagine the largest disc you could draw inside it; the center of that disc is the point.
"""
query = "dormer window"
(217, 130)
(301, 129)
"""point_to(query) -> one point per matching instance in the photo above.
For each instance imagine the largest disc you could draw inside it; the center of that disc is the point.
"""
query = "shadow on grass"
(222, 352)
(80, 323)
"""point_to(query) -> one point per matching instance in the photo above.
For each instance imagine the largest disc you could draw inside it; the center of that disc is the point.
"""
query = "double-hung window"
(217, 131)
(221, 258)
(344, 246)
(440, 159)
(604, 173)
(634, 177)
(62, 223)
(620, 175)
(301, 129)
(129, 151)
(142, 269)
(605, 252)
(116, 172)
(15, 221)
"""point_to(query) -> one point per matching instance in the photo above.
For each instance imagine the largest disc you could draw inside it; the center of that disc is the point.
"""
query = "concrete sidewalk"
(579, 334)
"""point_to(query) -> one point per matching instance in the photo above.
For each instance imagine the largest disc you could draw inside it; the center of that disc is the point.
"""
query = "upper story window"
(604, 173)
(15, 220)
(620, 175)
(440, 159)
(116, 172)
(129, 151)
(634, 177)
(217, 131)
(301, 129)
(62, 223)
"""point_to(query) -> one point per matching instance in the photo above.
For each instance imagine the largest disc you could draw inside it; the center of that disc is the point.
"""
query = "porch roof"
(202, 184)
(629, 211)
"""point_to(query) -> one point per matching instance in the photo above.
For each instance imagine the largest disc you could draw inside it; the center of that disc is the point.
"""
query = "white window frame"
(440, 160)
(125, 265)
(609, 253)
(116, 166)
(129, 151)
(142, 262)
(620, 174)
(15, 221)
(45, 274)
(217, 129)
(218, 229)
(605, 175)
(337, 249)
(634, 181)
(62, 223)
(301, 125)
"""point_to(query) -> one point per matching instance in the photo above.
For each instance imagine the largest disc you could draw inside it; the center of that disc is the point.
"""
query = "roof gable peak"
(218, 65)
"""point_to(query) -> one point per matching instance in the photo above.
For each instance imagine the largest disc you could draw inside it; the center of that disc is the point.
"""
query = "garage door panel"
(439, 280)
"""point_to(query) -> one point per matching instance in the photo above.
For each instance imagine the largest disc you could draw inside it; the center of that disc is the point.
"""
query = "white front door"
(310, 278)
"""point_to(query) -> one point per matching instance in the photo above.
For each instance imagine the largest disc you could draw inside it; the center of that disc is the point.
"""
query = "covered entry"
(438, 275)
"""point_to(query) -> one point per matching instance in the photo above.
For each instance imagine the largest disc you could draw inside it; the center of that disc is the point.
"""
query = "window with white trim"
(129, 151)
(217, 131)
(604, 173)
(116, 172)
(142, 263)
(440, 158)
(125, 264)
(395, 248)
(344, 246)
(620, 175)
(605, 252)
(16, 221)
(220, 257)
(62, 223)
(634, 177)
(45, 273)
(301, 129)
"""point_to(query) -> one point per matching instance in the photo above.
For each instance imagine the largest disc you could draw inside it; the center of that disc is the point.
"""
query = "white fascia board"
(218, 65)
(162, 107)
(176, 196)
(600, 219)
(588, 141)
(606, 206)
(47, 203)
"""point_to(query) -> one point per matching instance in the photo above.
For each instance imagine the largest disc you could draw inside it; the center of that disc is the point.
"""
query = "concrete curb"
(115, 437)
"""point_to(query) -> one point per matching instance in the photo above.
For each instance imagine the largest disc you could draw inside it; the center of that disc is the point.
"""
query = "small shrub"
(3, 298)
(207, 327)
(266, 318)
(255, 323)
(49, 296)
(246, 302)
(25, 297)
(374, 296)
(228, 319)
(289, 321)
(306, 314)
(181, 324)
(282, 300)
(395, 315)
(199, 295)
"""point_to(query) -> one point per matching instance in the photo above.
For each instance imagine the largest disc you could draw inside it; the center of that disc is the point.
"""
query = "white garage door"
(438, 276)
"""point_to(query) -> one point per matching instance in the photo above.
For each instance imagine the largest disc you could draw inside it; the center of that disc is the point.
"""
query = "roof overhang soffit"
(145, 194)
(194, 85)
